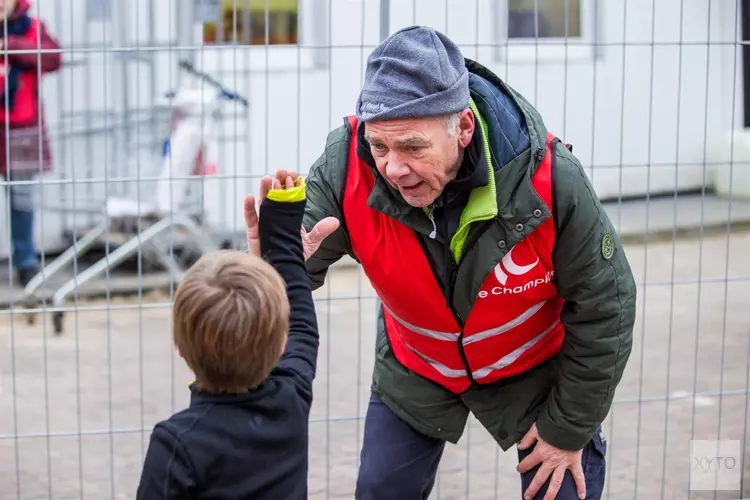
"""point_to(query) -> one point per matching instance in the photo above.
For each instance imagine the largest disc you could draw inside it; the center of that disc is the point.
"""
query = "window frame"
(547, 49)
(306, 54)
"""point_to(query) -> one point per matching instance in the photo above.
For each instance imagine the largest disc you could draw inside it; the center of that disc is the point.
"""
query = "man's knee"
(593, 461)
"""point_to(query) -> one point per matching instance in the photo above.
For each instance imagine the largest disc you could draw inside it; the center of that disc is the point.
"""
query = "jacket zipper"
(431, 216)
(450, 281)
(460, 341)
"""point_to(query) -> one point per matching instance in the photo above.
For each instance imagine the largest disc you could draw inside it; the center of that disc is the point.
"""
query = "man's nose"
(396, 169)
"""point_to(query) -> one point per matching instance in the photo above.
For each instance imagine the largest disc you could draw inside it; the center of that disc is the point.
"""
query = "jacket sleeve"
(594, 278)
(280, 244)
(167, 472)
(325, 183)
(42, 54)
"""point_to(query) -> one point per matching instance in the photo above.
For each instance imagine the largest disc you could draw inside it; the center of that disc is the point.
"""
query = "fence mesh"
(650, 94)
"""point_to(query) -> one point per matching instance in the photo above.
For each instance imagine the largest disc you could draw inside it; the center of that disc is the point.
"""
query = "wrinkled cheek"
(380, 166)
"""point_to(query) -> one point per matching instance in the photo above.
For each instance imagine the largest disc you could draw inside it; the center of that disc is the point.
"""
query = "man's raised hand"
(310, 241)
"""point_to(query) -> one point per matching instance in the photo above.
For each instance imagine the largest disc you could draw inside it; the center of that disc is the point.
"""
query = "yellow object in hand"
(295, 194)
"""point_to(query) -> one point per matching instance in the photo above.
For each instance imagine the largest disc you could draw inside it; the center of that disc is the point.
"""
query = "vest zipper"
(431, 216)
(452, 276)
(439, 278)
(447, 285)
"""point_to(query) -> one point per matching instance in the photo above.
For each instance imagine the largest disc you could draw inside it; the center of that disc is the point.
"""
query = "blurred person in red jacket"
(28, 52)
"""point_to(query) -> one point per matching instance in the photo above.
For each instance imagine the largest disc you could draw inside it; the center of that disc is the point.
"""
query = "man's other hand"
(554, 462)
(310, 241)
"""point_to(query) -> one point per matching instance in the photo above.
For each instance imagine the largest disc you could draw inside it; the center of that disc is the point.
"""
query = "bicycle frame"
(190, 150)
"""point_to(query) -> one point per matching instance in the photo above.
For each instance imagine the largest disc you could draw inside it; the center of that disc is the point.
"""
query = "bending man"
(504, 290)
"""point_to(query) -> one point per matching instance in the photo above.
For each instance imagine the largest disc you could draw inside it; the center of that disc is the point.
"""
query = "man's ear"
(466, 126)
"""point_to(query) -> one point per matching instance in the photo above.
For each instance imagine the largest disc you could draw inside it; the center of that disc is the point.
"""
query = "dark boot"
(26, 274)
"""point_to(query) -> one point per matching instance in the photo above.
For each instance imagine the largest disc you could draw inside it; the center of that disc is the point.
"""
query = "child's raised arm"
(280, 220)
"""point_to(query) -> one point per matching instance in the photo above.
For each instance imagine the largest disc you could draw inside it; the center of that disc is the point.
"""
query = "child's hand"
(310, 240)
(286, 178)
(251, 213)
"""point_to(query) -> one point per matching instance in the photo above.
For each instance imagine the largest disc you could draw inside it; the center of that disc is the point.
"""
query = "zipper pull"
(433, 234)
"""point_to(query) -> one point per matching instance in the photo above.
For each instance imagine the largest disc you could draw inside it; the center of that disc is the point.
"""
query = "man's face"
(418, 156)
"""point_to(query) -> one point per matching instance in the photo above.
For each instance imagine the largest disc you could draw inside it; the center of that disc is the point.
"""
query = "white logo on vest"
(511, 267)
(508, 266)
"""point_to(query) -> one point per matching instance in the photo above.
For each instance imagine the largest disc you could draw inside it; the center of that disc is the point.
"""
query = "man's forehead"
(402, 133)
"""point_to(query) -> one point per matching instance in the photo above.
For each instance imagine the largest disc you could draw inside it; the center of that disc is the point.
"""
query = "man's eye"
(378, 147)
(413, 149)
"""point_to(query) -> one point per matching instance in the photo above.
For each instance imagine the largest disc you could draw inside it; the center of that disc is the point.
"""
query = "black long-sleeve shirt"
(253, 445)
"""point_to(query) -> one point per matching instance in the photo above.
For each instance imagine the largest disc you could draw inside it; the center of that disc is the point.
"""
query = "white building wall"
(635, 130)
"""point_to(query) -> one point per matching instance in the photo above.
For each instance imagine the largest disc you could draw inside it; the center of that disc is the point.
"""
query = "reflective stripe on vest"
(25, 107)
(514, 323)
(486, 370)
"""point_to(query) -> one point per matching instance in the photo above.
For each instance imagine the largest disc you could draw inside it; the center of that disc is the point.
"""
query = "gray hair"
(451, 122)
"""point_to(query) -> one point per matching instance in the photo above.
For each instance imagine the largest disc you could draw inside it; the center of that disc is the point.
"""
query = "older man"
(504, 290)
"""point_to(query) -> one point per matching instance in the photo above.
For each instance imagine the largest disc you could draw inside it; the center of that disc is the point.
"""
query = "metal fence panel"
(651, 94)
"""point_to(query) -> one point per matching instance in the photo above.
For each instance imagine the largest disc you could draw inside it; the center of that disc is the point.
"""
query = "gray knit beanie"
(414, 73)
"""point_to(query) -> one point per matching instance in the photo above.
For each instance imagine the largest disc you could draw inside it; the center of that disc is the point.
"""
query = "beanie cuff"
(375, 107)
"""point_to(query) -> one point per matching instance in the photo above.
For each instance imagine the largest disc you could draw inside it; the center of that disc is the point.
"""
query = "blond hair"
(230, 320)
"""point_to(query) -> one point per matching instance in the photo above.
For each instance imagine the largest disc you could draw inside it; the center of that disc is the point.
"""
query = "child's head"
(230, 320)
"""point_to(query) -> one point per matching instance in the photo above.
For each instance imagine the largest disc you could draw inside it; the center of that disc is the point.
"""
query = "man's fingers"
(532, 460)
(251, 215)
(251, 226)
(528, 440)
(283, 174)
(312, 240)
(580, 479)
(555, 482)
(323, 230)
(265, 186)
(536, 484)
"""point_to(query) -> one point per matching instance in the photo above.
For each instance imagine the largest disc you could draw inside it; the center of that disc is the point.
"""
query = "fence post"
(385, 19)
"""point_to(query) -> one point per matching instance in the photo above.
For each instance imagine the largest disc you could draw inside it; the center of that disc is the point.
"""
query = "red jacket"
(514, 323)
(45, 62)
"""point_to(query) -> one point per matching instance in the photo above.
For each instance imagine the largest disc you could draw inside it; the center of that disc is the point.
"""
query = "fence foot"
(57, 322)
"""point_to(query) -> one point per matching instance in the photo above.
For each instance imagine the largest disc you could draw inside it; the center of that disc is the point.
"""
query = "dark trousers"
(22, 222)
(398, 462)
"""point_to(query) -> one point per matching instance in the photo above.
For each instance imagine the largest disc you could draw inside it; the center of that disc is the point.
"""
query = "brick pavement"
(117, 370)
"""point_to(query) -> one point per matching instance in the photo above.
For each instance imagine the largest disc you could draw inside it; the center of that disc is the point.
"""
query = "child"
(24, 149)
(247, 328)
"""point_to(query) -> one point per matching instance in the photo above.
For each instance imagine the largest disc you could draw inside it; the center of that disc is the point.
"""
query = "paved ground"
(115, 370)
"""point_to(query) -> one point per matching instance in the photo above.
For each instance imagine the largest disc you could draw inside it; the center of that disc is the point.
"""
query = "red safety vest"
(514, 323)
(25, 109)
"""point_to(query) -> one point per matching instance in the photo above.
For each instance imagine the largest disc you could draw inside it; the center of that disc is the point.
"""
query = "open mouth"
(414, 187)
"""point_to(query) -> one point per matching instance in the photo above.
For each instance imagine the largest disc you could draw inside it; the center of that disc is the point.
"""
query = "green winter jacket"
(571, 394)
